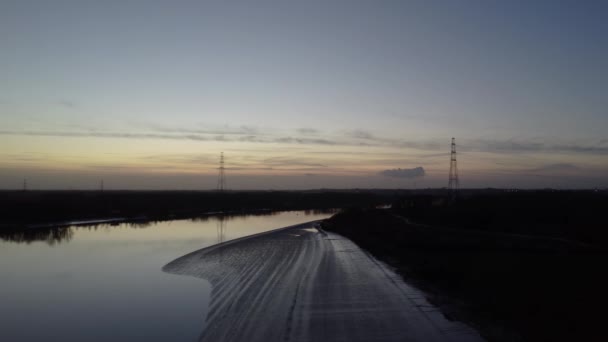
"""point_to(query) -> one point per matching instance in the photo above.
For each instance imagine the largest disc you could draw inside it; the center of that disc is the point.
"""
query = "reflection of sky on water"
(105, 282)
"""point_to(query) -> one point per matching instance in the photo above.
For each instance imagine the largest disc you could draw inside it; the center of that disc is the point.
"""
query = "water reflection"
(109, 276)
(63, 234)
(221, 229)
(51, 236)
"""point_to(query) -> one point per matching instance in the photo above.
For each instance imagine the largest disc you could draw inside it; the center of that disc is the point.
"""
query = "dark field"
(525, 266)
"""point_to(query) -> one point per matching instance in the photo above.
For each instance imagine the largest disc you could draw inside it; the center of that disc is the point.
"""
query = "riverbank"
(39, 209)
(142, 219)
(55, 232)
(512, 287)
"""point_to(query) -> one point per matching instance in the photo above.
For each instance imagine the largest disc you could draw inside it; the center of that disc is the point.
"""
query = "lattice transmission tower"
(453, 183)
(221, 180)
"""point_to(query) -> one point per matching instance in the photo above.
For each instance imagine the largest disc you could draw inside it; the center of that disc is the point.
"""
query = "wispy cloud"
(433, 155)
(358, 138)
(421, 145)
(512, 146)
(308, 131)
(559, 167)
(103, 135)
(182, 158)
(361, 134)
(221, 130)
(290, 162)
(182, 135)
(66, 103)
(26, 157)
(305, 141)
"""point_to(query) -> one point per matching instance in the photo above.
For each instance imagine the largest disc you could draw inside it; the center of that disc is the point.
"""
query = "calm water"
(104, 283)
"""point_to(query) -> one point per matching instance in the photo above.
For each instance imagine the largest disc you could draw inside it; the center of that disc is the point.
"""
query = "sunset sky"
(307, 94)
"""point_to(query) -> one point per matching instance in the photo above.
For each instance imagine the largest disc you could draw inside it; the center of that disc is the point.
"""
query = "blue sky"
(309, 94)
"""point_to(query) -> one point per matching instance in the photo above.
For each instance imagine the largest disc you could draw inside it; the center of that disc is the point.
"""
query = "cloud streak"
(66, 103)
(308, 131)
(355, 139)
(511, 146)
(560, 167)
(226, 130)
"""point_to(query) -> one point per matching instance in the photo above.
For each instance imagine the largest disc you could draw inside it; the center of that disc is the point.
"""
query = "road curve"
(302, 284)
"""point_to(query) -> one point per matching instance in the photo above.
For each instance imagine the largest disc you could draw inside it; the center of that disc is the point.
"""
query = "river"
(105, 283)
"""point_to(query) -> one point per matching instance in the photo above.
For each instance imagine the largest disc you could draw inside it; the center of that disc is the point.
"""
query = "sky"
(303, 94)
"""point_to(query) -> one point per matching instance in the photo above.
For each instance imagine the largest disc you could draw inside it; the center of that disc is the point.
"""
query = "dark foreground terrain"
(519, 266)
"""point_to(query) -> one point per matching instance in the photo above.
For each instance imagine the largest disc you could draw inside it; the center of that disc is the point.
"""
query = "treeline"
(33, 207)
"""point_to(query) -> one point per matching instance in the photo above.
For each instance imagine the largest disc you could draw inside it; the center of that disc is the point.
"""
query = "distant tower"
(101, 186)
(24, 184)
(221, 180)
(453, 183)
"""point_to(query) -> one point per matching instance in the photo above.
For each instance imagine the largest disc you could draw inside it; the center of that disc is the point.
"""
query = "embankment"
(300, 284)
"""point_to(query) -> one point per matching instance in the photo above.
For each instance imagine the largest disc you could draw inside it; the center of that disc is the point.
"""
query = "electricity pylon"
(221, 180)
(453, 183)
